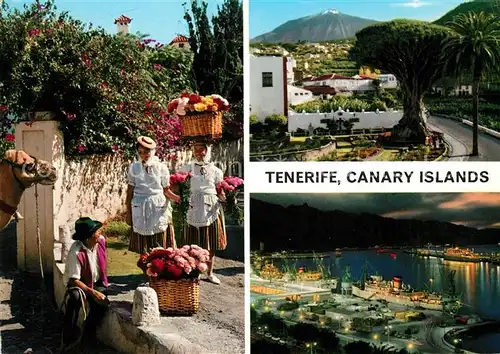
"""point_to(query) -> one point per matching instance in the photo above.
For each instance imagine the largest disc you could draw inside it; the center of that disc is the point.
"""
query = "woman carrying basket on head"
(205, 225)
(148, 200)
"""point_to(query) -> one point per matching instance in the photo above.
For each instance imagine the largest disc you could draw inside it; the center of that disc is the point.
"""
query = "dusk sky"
(477, 210)
(161, 19)
(266, 15)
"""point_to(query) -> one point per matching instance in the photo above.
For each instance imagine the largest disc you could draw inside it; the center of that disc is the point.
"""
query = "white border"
(258, 181)
(246, 166)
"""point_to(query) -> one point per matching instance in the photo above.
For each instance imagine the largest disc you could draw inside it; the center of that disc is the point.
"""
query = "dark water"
(477, 283)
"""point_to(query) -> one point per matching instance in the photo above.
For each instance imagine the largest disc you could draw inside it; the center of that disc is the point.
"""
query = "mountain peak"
(324, 26)
(332, 11)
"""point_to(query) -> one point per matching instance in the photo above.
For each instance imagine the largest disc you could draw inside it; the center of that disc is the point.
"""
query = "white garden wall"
(367, 120)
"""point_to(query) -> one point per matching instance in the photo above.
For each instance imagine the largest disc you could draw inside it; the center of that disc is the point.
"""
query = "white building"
(268, 86)
(388, 81)
(341, 82)
(180, 41)
(122, 24)
(297, 95)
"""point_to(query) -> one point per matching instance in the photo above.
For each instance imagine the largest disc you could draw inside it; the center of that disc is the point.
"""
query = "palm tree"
(474, 49)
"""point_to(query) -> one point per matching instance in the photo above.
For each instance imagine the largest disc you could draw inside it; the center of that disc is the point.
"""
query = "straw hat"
(146, 142)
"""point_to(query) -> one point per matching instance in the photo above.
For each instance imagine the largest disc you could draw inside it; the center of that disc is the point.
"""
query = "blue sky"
(161, 19)
(266, 15)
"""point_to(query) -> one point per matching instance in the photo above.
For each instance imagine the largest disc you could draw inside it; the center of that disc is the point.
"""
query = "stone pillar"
(145, 311)
(66, 241)
(44, 141)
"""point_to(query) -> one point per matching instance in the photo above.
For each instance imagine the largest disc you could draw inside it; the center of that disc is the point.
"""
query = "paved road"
(459, 136)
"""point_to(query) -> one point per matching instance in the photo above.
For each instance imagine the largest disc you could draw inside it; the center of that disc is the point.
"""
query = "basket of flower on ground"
(200, 116)
(174, 274)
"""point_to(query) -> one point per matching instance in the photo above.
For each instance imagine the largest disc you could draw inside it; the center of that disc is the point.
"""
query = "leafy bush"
(276, 121)
(461, 108)
(254, 119)
(116, 229)
(378, 104)
(104, 89)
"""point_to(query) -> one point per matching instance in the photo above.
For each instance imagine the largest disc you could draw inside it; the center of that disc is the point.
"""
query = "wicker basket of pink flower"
(174, 274)
(200, 116)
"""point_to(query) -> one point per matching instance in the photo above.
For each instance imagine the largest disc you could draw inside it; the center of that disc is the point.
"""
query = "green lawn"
(386, 155)
(120, 260)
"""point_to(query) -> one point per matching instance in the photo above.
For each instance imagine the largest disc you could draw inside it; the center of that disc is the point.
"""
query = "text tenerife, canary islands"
(332, 177)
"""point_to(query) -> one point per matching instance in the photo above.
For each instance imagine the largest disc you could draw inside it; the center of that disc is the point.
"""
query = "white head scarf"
(208, 155)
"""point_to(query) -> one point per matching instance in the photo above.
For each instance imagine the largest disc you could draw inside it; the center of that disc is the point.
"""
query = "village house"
(342, 83)
(180, 41)
(298, 95)
(122, 24)
(388, 81)
(269, 85)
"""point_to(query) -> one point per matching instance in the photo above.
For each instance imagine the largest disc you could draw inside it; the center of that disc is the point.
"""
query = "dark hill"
(488, 6)
(301, 227)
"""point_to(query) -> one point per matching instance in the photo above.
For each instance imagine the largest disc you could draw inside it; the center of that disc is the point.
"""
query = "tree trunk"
(475, 117)
(412, 127)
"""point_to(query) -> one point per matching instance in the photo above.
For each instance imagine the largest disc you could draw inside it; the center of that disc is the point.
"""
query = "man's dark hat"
(85, 227)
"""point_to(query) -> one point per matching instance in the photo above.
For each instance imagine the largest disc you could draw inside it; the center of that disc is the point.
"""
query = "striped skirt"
(142, 244)
(212, 237)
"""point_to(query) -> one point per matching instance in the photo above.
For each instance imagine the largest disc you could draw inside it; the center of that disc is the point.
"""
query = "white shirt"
(151, 210)
(148, 184)
(73, 267)
(204, 203)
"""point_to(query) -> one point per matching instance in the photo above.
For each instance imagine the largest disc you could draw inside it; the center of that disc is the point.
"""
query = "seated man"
(86, 280)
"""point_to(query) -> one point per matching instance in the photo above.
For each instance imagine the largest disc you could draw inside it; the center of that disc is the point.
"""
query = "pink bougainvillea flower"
(86, 60)
(172, 157)
(29, 124)
(34, 32)
(114, 147)
(10, 137)
(3, 108)
(71, 116)
(157, 67)
(80, 148)
(120, 107)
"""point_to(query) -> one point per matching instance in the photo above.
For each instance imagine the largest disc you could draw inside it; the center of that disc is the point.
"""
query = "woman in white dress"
(148, 200)
(205, 225)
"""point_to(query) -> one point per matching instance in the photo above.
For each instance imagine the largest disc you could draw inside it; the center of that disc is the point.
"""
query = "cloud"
(413, 3)
(472, 201)
(403, 214)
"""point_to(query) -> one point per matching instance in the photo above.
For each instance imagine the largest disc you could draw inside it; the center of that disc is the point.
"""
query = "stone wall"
(304, 155)
(94, 186)
(97, 186)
